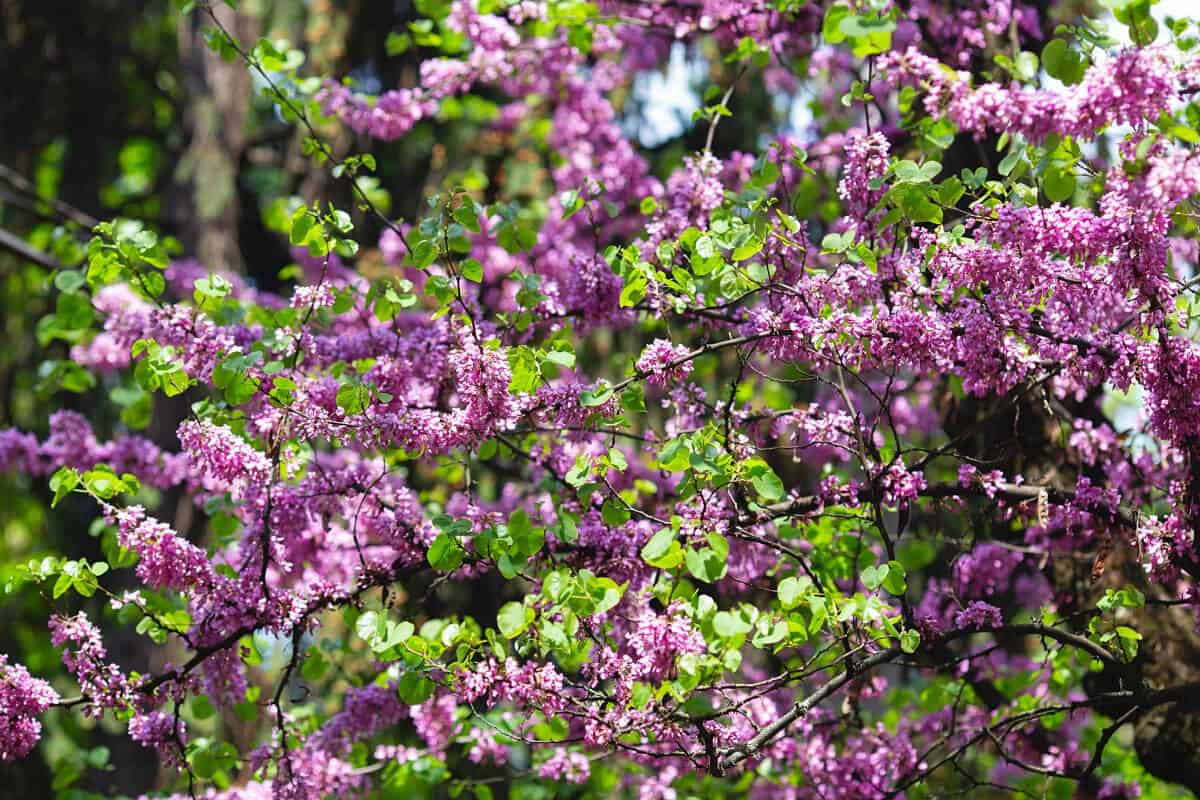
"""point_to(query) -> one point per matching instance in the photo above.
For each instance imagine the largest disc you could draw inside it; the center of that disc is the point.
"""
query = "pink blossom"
(22, 698)
(664, 363)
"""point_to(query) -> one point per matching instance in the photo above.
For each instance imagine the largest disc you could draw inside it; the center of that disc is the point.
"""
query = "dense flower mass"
(864, 466)
(85, 657)
(979, 615)
(22, 699)
(664, 363)
(160, 731)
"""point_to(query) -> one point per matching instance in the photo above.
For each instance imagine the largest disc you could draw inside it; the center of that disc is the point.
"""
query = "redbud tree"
(864, 465)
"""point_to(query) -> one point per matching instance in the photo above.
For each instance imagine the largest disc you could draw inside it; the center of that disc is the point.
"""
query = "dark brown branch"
(15, 244)
(736, 755)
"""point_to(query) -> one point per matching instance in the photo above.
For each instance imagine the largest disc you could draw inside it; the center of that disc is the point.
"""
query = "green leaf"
(400, 632)
(1127, 596)
(869, 35)
(605, 592)
(74, 311)
(314, 666)
(873, 576)
(467, 216)
(831, 27)
(513, 619)
(614, 513)
(1126, 632)
(658, 545)
(105, 484)
(1027, 65)
(571, 202)
(596, 396)
(895, 581)
(55, 375)
(472, 270)
(769, 631)
(765, 481)
(423, 253)
(913, 199)
(397, 43)
(446, 554)
(728, 624)
(663, 551)
(747, 250)
(1062, 62)
(203, 764)
(381, 633)
(910, 641)
(706, 565)
(792, 590)
(633, 398)
(211, 289)
(516, 236)
(414, 688)
(1059, 184)
(69, 281)
(568, 527)
(563, 358)
(202, 707)
(633, 292)
(837, 242)
(526, 375)
(1009, 162)
(371, 628)
(302, 224)
(62, 483)
(950, 191)
(1055, 56)
(353, 398)
(580, 472)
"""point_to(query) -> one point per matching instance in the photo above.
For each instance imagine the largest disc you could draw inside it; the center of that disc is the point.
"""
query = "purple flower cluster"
(565, 765)
(900, 486)
(164, 559)
(848, 361)
(656, 641)
(435, 721)
(165, 733)
(664, 363)
(227, 461)
(1138, 85)
(866, 162)
(22, 699)
(692, 194)
(979, 614)
(84, 656)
